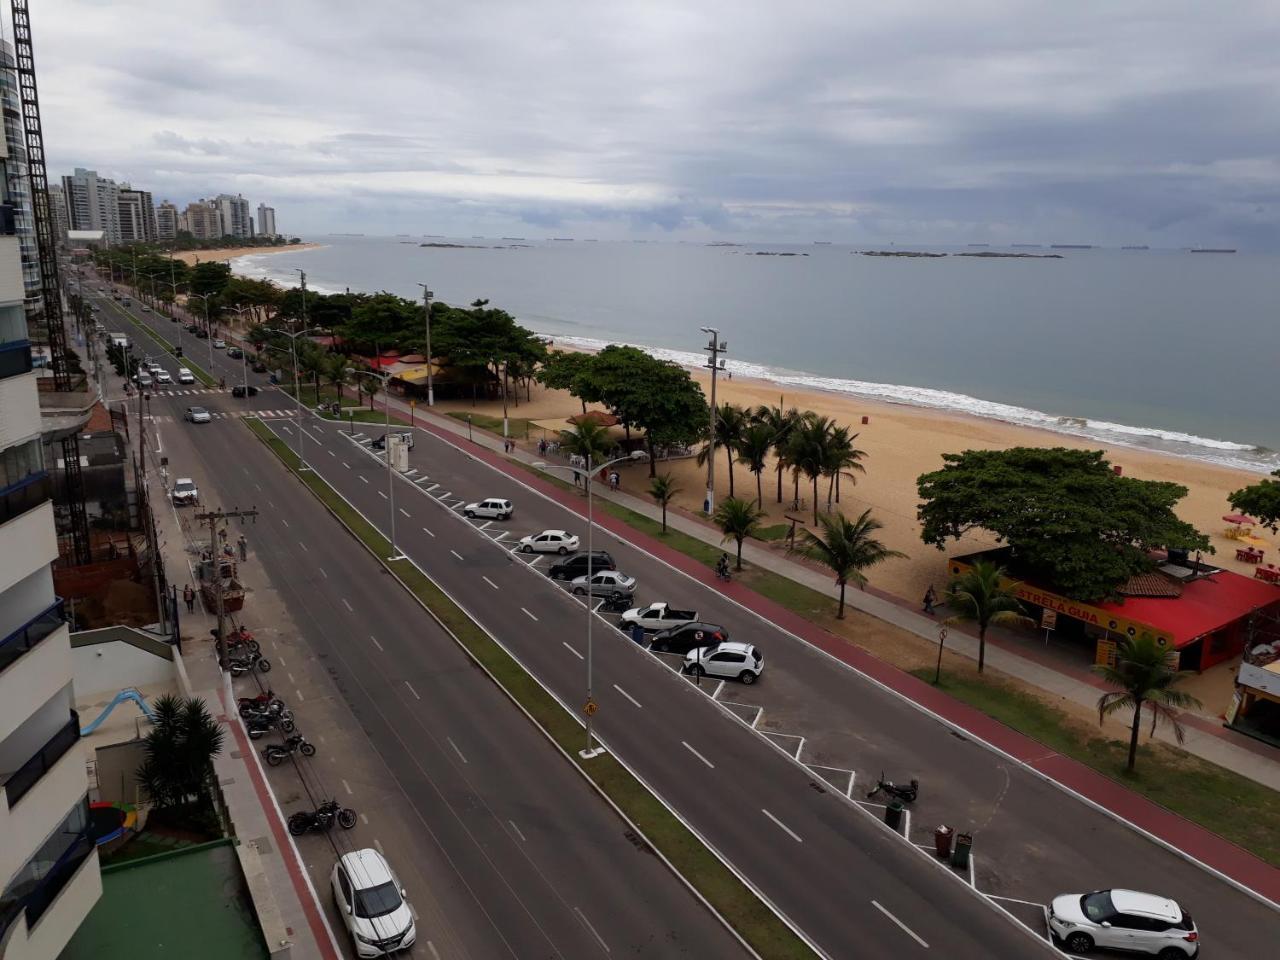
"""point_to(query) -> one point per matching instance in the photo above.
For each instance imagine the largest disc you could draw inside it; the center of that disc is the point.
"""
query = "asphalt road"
(1043, 841)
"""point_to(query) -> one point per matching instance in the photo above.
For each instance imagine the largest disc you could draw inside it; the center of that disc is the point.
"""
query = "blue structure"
(121, 697)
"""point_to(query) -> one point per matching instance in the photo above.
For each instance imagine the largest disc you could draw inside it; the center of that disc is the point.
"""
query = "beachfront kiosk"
(1204, 614)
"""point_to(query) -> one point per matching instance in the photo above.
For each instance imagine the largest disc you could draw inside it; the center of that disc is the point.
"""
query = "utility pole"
(148, 517)
(213, 518)
(714, 347)
(426, 307)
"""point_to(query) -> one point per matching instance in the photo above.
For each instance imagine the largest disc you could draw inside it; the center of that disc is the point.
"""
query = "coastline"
(190, 257)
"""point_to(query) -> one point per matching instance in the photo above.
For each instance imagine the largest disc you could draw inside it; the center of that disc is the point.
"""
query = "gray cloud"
(994, 120)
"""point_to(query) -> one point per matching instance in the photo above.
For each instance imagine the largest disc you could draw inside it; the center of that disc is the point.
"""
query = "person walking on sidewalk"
(930, 598)
(244, 547)
(189, 596)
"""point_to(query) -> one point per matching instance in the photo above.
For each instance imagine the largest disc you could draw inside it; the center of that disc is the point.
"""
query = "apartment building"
(18, 184)
(233, 215)
(266, 221)
(202, 220)
(58, 210)
(93, 203)
(166, 221)
(48, 865)
(137, 215)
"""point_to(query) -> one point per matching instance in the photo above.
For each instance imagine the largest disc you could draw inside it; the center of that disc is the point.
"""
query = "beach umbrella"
(1238, 518)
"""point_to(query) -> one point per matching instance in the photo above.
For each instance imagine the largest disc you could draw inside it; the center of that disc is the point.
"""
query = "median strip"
(200, 373)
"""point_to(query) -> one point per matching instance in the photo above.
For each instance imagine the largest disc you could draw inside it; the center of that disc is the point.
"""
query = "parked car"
(198, 415)
(372, 904)
(741, 661)
(219, 343)
(1123, 920)
(184, 491)
(493, 507)
(259, 367)
(235, 353)
(201, 333)
(606, 583)
(185, 375)
(684, 638)
(162, 376)
(145, 308)
(549, 541)
(192, 327)
(658, 616)
(144, 380)
(380, 442)
(573, 567)
(173, 318)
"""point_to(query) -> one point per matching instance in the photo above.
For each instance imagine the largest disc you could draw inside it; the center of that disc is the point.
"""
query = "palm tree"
(780, 423)
(843, 458)
(663, 490)
(314, 364)
(981, 595)
(588, 440)
(738, 519)
(731, 421)
(808, 451)
(335, 372)
(178, 767)
(847, 547)
(753, 450)
(1144, 675)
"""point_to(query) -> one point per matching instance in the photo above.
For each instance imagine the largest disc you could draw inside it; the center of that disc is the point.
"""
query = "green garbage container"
(960, 853)
(893, 814)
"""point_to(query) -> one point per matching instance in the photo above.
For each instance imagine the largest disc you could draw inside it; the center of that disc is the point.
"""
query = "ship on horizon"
(1213, 249)
(1071, 246)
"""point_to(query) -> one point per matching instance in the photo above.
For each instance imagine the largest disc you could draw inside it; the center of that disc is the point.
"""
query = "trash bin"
(893, 814)
(960, 855)
(942, 841)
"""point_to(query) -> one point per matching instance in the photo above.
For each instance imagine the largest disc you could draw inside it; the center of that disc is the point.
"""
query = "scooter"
(322, 818)
(248, 663)
(906, 792)
(275, 753)
(259, 725)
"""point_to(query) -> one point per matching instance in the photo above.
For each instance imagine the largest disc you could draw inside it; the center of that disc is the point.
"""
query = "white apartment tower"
(58, 210)
(93, 203)
(48, 864)
(233, 215)
(166, 221)
(266, 221)
(137, 215)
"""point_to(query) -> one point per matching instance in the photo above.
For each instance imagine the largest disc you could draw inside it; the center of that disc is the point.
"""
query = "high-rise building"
(58, 210)
(137, 215)
(166, 221)
(93, 203)
(49, 876)
(266, 221)
(202, 220)
(233, 215)
(18, 183)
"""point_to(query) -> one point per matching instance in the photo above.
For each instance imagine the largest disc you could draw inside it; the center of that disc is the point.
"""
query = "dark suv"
(576, 566)
(684, 638)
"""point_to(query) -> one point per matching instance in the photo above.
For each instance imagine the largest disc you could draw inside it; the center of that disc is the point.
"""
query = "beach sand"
(190, 257)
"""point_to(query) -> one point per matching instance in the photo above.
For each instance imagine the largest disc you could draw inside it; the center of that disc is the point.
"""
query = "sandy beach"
(190, 257)
(902, 442)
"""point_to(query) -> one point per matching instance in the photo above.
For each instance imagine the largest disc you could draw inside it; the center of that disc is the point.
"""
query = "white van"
(119, 340)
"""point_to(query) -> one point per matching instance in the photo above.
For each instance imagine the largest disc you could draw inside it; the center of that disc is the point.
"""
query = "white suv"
(184, 491)
(549, 541)
(1123, 920)
(185, 375)
(740, 661)
(499, 509)
(162, 376)
(372, 904)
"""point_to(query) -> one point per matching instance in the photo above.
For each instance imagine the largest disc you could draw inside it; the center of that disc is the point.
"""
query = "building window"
(19, 462)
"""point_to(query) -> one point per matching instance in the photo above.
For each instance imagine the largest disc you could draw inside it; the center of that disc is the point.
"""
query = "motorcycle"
(617, 602)
(238, 639)
(248, 663)
(258, 725)
(275, 753)
(263, 701)
(906, 792)
(322, 818)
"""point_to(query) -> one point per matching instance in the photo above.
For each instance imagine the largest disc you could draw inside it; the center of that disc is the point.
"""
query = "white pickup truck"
(658, 616)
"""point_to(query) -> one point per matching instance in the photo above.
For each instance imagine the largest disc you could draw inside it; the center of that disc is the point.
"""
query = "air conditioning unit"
(724, 344)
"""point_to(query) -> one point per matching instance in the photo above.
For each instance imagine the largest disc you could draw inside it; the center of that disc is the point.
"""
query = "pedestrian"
(542, 447)
(189, 596)
(930, 598)
(614, 480)
(637, 633)
(244, 547)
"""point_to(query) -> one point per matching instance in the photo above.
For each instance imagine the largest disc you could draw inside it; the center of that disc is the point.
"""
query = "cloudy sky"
(1148, 121)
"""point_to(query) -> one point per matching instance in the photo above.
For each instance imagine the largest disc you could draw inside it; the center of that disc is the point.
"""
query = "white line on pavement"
(455, 749)
(905, 929)
(485, 524)
(303, 546)
(375, 641)
(489, 582)
(447, 493)
(364, 819)
(382, 495)
(347, 465)
(456, 554)
(593, 930)
(517, 830)
(794, 836)
(346, 786)
(432, 487)
(529, 615)
(427, 532)
(411, 690)
(284, 521)
(432, 947)
(703, 759)
(627, 695)
(331, 453)
(566, 645)
(347, 605)
(363, 479)
(404, 511)
(290, 676)
(322, 573)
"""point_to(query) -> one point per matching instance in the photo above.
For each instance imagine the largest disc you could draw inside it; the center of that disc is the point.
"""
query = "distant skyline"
(1148, 122)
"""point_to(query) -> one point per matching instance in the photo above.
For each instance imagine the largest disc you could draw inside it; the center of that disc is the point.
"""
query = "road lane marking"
(627, 695)
(455, 749)
(347, 787)
(592, 929)
(290, 676)
(411, 690)
(905, 929)
(364, 819)
(405, 512)
(378, 843)
(303, 546)
(703, 759)
(363, 478)
(322, 573)
(347, 605)
(794, 836)
(427, 532)
(382, 495)
(331, 453)
(566, 645)
(432, 947)
(279, 659)
(298, 694)
(489, 582)
(517, 830)
(456, 554)
(529, 615)
(347, 465)
(375, 642)
(284, 521)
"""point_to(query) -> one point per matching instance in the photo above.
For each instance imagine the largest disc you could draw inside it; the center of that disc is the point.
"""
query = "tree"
(209, 278)
(314, 363)
(335, 372)
(780, 423)
(753, 452)
(731, 423)
(1261, 500)
(1144, 676)
(563, 370)
(180, 747)
(382, 318)
(809, 451)
(843, 459)
(1071, 521)
(847, 547)
(982, 596)
(590, 441)
(663, 490)
(737, 519)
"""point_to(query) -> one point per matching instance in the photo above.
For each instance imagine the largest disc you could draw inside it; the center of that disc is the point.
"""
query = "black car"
(202, 334)
(192, 327)
(239, 390)
(684, 638)
(235, 353)
(259, 367)
(576, 566)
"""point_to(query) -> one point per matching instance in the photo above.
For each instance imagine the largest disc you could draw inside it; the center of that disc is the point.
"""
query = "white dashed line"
(702, 758)
(284, 521)
(347, 465)
(794, 836)
(322, 573)
(905, 929)
(456, 554)
(331, 453)
(376, 643)
(529, 615)
(627, 695)
(415, 694)
(566, 645)
(405, 512)
(517, 830)
(456, 750)
(382, 495)
(347, 605)
(489, 582)
(427, 532)
(303, 546)
(346, 786)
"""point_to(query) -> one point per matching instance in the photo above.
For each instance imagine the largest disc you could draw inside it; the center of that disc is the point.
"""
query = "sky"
(1139, 122)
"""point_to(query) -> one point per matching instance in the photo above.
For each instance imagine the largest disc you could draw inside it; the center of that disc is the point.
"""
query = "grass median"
(741, 908)
(169, 347)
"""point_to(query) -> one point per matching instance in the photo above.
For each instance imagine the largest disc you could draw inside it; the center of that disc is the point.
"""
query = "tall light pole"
(714, 347)
(244, 356)
(589, 708)
(297, 385)
(426, 310)
(207, 329)
(386, 452)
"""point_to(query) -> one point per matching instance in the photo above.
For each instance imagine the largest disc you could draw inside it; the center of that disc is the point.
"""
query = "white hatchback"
(185, 375)
(734, 661)
(494, 508)
(549, 541)
(372, 904)
(1124, 920)
(162, 376)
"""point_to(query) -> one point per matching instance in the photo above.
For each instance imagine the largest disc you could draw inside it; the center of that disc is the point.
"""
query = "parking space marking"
(347, 605)
(456, 750)
(700, 756)
(517, 830)
(905, 929)
(376, 643)
(628, 696)
(458, 555)
(411, 690)
(427, 532)
(592, 929)
(405, 512)
(489, 582)
(422, 479)
(447, 493)
(501, 536)
(750, 706)
(364, 479)
(848, 790)
(432, 487)
(346, 786)
(529, 615)
(716, 694)
(566, 645)
(790, 736)
(485, 524)
(791, 833)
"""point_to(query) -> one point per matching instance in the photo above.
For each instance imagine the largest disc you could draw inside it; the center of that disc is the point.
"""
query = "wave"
(1226, 453)
(260, 266)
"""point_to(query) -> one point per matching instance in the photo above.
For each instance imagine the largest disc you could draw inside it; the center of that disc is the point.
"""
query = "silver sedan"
(604, 583)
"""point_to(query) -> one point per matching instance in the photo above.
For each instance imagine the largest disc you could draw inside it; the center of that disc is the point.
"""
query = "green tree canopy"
(1262, 500)
(1070, 519)
(210, 278)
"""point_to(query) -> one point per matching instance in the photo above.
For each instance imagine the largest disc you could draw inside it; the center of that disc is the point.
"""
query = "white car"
(162, 376)
(184, 491)
(730, 660)
(1123, 920)
(219, 344)
(498, 509)
(185, 375)
(372, 904)
(549, 541)
(198, 415)
(144, 379)
(604, 584)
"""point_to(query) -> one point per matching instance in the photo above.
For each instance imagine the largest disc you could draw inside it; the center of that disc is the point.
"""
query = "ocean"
(1160, 349)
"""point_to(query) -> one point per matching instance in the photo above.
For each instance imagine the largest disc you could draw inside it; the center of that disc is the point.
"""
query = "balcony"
(37, 896)
(15, 358)
(26, 494)
(30, 633)
(29, 774)
(8, 218)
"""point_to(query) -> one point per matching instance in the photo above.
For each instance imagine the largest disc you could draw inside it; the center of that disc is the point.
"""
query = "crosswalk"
(232, 415)
(187, 392)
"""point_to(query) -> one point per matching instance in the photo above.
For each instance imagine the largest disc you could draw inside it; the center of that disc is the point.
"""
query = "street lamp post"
(244, 355)
(297, 385)
(715, 347)
(386, 452)
(207, 329)
(589, 708)
(426, 309)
